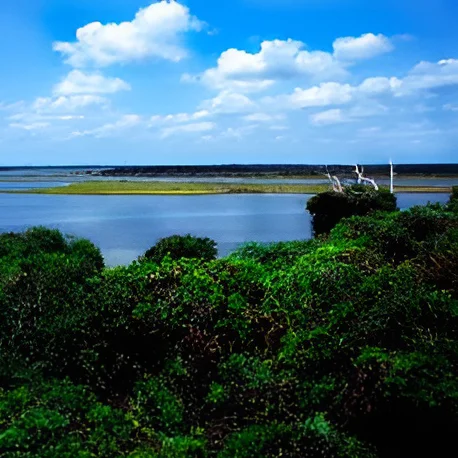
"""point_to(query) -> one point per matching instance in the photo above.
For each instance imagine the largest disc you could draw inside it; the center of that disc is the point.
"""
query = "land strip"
(180, 188)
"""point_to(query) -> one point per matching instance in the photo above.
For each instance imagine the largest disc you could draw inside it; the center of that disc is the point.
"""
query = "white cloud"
(379, 85)
(241, 71)
(67, 104)
(11, 106)
(424, 76)
(277, 60)
(322, 95)
(126, 121)
(363, 47)
(369, 130)
(278, 127)
(238, 132)
(263, 117)
(228, 102)
(188, 128)
(31, 127)
(334, 116)
(69, 117)
(179, 118)
(78, 82)
(450, 107)
(429, 75)
(154, 32)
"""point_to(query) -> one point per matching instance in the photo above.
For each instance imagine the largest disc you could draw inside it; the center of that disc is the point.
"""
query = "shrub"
(329, 208)
(453, 204)
(177, 247)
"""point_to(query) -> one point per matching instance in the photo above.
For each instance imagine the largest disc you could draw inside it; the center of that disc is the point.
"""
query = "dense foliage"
(453, 204)
(183, 246)
(340, 347)
(329, 208)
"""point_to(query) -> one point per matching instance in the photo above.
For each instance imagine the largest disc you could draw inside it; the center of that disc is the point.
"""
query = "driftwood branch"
(362, 178)
(335, 182)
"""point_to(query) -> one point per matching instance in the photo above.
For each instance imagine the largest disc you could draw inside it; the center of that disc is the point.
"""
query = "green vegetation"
(183, 188)
(329, 208)
(154, 187)
(177, 247)
(453, 204)
(346, 346)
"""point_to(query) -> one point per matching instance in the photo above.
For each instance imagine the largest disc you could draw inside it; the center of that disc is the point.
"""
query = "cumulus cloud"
(178, 118)
(67, 103)
(263, 117)
(334, 116)
(424, 76)
(363, 47)
(277, 60)
(379, 85)
(430, 75)
(241, 71)
(155, 31)
(78, 82)
(322, 95)
(187, 128)
(228, 102)
(126, 121)
(30, 127)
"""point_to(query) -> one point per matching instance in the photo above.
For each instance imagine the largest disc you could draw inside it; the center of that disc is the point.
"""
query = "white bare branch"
(338, 184)
(361, 178)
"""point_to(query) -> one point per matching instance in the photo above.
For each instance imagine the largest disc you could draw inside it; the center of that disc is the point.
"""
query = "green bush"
(187, 246)
(44, 307)
(453, 204)
(329, 208)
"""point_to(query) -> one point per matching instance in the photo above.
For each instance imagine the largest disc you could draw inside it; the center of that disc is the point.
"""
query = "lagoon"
(125, 226)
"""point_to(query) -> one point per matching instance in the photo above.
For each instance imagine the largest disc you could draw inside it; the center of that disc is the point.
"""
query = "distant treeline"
(245, 170)
(275, 170)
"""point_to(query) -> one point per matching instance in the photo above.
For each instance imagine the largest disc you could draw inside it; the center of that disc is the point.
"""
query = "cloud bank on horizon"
(165, 85)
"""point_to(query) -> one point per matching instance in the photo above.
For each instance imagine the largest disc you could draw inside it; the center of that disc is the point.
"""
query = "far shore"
(184, 188)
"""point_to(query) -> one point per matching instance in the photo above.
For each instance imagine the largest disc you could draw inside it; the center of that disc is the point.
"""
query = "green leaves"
(187, 246)
(329, 208)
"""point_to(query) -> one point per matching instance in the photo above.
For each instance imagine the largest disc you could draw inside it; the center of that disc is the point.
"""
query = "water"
(25, 185)
(124, 227)
(408, 200)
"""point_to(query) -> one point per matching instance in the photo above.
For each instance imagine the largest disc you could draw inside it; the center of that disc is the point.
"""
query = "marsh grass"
(179, 188)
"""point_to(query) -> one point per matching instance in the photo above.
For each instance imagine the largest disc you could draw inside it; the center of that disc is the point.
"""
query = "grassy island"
(182, 188)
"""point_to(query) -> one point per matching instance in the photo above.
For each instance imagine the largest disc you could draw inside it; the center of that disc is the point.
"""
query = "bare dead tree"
(362, 178)
(335, 182)
(338, 184)
(391, 177)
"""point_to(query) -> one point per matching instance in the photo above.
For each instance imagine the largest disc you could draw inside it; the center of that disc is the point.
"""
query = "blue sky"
(240, 81)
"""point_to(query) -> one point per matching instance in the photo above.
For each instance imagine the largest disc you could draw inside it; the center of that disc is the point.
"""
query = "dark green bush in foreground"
(183, 246)
(329, 208)
(340, 348)
(453, 204)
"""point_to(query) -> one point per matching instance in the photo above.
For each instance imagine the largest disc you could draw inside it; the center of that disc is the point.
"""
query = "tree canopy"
(329, 208)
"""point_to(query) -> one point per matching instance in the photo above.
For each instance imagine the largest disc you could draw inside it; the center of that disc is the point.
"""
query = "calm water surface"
(125, 226)
(24, 185)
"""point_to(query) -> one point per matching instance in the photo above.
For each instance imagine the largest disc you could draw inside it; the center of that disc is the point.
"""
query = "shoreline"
(188, 188)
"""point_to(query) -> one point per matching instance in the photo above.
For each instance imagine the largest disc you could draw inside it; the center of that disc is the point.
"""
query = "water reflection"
(125, 226)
